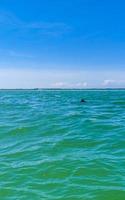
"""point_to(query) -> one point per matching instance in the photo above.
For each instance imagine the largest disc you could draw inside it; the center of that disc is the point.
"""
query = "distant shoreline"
(39, 89)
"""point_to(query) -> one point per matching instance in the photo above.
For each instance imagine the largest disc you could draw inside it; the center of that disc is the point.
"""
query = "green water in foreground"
(52, 147)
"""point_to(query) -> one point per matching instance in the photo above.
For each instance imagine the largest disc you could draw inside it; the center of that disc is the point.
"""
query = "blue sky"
(59, 43)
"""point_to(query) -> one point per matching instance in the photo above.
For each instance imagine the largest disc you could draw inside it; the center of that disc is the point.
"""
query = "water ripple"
(53, 147)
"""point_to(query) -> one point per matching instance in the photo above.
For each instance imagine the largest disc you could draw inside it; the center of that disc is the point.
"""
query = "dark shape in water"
(82, 101)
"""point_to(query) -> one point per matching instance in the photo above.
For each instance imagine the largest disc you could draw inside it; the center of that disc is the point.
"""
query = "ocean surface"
(52, 147)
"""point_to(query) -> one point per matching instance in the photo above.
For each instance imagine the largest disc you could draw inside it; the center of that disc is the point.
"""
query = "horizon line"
(93, 88)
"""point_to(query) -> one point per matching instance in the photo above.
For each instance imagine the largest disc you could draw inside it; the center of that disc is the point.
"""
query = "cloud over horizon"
(113, 83)
(69, 85)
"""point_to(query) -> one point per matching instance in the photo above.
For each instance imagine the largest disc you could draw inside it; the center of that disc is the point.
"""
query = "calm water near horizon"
(52, 147)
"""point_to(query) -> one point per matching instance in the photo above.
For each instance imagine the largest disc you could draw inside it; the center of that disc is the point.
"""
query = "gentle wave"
(54, 147)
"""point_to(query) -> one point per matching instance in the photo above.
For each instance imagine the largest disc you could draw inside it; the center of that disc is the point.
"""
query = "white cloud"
(60, 84)
(113, 83)
(81, 84)
(22, 76)
(108, 82)
(69, 85)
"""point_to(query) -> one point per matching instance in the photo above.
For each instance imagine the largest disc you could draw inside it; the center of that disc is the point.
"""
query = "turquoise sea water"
(52, 147)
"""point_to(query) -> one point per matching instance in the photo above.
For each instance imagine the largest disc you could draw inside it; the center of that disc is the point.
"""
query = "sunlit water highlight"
(52, 147)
